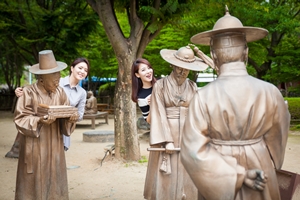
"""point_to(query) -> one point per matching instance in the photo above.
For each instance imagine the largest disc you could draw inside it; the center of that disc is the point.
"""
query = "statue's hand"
(207, 60)
(255, 179)
(74, 118)
(19, 91)
(170, 148)
(47, 119)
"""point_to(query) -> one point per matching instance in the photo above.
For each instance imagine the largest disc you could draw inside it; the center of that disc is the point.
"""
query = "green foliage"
(294, 91)
(97, 49)
(107, 90)
(169, 38)
(285, 67)
(143, 159)
(28, 27)
(162, 14)
(274, 58)
(71, 29)
(202, 84)
(294, 107)
(295, 127)
(124, 24)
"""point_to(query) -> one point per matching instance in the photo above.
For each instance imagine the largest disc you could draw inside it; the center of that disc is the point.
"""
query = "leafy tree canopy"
(28, 27)
(280, 18)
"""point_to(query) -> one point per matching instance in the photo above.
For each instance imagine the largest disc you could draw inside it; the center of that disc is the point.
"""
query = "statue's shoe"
(12, 154)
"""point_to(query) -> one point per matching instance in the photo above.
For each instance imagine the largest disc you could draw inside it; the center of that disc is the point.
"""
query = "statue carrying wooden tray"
(61, 111)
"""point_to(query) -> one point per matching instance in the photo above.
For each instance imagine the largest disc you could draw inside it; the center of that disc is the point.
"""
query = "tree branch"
(107, 16)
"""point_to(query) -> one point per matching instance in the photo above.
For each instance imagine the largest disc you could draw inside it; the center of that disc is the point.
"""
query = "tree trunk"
(126, 138)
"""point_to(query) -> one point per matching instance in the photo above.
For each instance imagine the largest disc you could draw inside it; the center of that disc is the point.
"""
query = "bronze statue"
(42, 172)
(166, 177)
(91, 104)
(237, 126)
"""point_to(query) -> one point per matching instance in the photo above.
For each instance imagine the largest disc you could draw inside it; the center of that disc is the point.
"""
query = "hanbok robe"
(235, 123)
(41, 173)
(169, 103)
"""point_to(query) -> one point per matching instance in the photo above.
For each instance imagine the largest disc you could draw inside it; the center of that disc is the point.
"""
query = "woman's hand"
(148, 98)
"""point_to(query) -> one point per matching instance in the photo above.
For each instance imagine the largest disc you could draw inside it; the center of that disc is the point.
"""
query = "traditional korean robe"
(41, 173)
(169, 104)
(235, 123)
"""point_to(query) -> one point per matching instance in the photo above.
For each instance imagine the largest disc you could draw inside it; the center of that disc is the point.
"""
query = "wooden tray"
(62, 111)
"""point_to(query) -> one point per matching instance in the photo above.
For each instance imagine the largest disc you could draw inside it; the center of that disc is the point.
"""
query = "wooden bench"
(102, 106)
(93, 117)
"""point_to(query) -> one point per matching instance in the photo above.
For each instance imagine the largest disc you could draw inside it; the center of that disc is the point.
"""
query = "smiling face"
(180, 74)
(145, 73)
(79, 71)
(50, 81)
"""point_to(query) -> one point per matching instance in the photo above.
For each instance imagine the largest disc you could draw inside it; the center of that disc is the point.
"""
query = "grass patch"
(143, 159)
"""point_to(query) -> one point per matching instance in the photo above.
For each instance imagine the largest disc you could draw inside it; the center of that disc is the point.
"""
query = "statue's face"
(89, 94)
(50, 81)
(180, 74)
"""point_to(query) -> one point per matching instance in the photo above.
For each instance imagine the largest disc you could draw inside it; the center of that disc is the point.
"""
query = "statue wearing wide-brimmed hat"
(166, 177)
(236, 128)
(228, 32)
(42, 172)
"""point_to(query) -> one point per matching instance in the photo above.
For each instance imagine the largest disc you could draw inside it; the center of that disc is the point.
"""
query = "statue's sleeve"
(216, 176)
(25, 119)
(159, 129)
(276, 137)
(66, 128)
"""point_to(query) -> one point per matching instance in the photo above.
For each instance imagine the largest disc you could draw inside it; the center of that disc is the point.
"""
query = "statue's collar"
(233, 69)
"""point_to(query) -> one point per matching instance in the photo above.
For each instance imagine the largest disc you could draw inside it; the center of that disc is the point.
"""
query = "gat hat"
(184, 58)
(47, 64)
(226, 24)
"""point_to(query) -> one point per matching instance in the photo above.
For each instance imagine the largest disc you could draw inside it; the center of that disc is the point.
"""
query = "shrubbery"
(294, 107)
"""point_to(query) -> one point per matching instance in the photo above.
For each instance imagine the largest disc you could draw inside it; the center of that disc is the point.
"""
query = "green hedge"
(294, 107)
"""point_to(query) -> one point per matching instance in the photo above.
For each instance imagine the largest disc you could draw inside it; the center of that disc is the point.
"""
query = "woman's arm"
(148, 119)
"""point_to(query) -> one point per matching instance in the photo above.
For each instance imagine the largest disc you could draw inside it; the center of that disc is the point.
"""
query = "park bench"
(95, 116)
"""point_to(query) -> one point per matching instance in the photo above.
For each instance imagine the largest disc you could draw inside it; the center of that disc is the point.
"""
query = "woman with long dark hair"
(142, 82)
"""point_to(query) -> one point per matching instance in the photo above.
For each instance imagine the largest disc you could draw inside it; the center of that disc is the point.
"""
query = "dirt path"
(114, 180)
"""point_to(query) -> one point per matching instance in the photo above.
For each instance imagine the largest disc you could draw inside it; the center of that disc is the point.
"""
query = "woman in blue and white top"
(142, 82)
(79, 70)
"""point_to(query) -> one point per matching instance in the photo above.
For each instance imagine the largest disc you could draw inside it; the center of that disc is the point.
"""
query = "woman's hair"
(79, 60)
(137, 83)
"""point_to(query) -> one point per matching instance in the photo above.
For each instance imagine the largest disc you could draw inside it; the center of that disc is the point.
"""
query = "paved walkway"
(87, 180)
